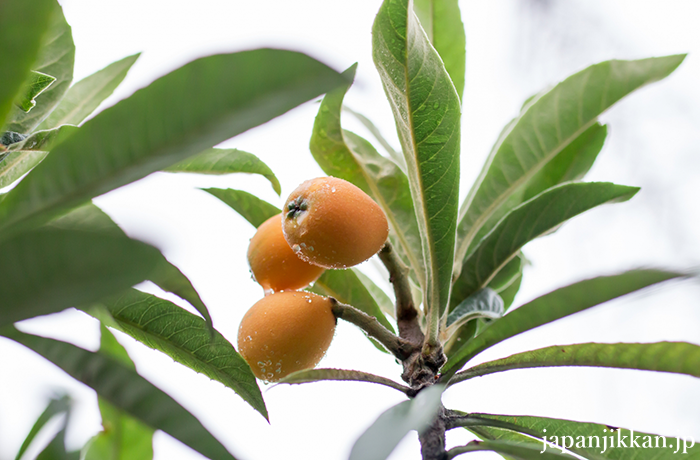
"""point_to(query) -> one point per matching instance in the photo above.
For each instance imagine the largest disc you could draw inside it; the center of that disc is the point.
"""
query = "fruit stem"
(399, 347)
(406, 311)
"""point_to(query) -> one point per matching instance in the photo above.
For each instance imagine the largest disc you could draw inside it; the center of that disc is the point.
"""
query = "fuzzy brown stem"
(399, 347)
(432, 440)
(406, 311)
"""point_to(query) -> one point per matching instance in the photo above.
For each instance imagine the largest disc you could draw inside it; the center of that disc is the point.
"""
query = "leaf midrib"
(154, 156)
(515, 185)
(216, 371)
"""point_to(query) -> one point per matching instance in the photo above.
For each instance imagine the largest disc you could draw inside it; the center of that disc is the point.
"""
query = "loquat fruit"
(273, 263)
(334, 224)
(286, 332)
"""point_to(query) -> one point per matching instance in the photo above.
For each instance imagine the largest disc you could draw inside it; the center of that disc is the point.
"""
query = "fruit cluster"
(328, 223)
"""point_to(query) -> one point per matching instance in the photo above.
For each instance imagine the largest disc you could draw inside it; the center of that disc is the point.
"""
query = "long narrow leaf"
(676, 357)
(442, 22)
(55, 58)
(190, 109)
(250, 207)
(387, 431)
(55, 407)
(586, 439)
(38, 83)
(49, 270)
(533, 218)
(427, 113)
(318, 375)
(185, 337)
(165, 275)
(123, 437)
(86, 95)
(571, 164)
(555, 305)
(127, 390)
(509, 450)
(226, 161)
(484, 303)
(23, 156)
(56, 450)
(17, 163)
(346, 155)
(548, 125)
(396, 156)
(45, 140)
(23, 24)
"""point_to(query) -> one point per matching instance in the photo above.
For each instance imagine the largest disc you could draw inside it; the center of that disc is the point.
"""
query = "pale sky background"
(515, 48)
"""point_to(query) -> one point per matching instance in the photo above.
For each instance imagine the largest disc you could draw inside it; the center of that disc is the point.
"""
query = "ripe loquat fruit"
(334, 224)
(286, 332)
(273, 263)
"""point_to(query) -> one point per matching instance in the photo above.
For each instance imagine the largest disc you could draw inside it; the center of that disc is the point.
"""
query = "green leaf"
(561, 429)
(383, 300)
(23, 24)
(317, 375)
(123, 437)
(372, 128)
(17, 163)
(509, 450)
(191, 109)
(676, 357)
(346, 155)
(548, 124)
(533, 218)
(87, 217)
(49, 270)
(508, 273)
(484, 303)
(427, 113)
(442, 22)
(459, 338)
(346, 287)
(28, 152)
(165, 275)
(483, 428)
(252, 208)
(126, 390)
(226, 161)
(555, 305)
(56, 450)
(380, 439)
(185, 337)
(86, 95)
(56, 406)
(571, 164)
(38, 83)
(111, 347)
(462, 321)
(507, 281)
(45, 140)
(55, 58)
(509, 292)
